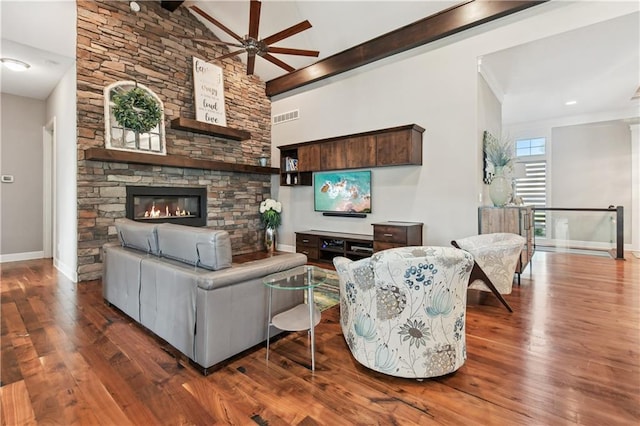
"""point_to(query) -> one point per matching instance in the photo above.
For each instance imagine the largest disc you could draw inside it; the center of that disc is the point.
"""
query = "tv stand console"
(323, 246)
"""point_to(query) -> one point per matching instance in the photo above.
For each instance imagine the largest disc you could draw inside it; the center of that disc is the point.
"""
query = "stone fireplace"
(114, 45)
(184, 206)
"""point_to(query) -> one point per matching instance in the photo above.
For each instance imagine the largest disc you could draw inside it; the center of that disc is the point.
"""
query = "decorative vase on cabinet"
(270, 239)
(500, 188)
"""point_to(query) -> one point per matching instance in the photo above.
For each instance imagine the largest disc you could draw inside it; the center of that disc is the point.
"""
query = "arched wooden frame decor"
(118, 136)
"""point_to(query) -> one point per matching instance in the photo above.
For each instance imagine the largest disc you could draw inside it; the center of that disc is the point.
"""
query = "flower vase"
(500, 188)
(270, 239)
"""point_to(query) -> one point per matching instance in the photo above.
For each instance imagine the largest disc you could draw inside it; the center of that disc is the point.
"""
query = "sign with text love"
(208, 87)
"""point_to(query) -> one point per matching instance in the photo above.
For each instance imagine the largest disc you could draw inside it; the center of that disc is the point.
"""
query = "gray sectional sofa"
(179, 282)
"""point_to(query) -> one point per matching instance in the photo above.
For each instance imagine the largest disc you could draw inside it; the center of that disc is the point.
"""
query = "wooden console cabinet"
(323, 246)
(395, 146)
(392, 234)
(516, 220)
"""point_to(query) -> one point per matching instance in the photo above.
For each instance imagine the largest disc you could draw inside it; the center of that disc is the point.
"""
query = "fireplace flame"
(156, 212)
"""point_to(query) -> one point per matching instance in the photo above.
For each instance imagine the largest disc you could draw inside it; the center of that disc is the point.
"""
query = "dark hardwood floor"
(569, 354)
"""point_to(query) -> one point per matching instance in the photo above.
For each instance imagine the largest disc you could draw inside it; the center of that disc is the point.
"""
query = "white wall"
(436, 87)
(61, 104)
(21, 157)
(625, 179)
(378, 99)
(592, 169)
(489, 119)
(592, 165)
(635, 186)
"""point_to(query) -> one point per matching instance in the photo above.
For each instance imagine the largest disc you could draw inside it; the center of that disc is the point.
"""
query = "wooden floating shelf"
(112, 155)
(194, 126)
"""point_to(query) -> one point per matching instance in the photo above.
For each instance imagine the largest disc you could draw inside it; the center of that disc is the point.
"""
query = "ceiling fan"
(252, 45)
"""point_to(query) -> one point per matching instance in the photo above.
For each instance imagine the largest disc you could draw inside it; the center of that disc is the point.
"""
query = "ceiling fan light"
(15, 64)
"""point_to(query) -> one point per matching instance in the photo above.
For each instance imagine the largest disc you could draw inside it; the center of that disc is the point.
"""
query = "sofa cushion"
(202, 247)
(121, 278)
(137, 235)
(248, 271)
(168, 302)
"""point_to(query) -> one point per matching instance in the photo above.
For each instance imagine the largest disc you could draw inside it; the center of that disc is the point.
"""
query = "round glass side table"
(304, 316)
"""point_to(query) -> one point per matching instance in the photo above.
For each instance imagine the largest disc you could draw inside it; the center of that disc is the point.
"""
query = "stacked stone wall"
(154, 47)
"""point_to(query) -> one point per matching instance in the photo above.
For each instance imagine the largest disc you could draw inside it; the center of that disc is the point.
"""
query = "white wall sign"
(208, 86)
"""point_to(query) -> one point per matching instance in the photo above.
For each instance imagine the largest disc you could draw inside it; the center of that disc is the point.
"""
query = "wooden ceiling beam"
(170, 5)
(427, 30)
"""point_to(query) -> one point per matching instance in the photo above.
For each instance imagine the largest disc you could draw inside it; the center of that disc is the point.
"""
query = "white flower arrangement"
(270, 211)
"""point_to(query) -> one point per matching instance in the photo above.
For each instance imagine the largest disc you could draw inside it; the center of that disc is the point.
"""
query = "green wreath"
(136, 110)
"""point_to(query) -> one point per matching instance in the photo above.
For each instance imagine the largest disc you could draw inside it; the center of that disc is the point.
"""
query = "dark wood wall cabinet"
(396, 146)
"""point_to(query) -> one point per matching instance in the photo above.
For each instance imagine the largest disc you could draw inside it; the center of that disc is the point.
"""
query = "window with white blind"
(532, 187)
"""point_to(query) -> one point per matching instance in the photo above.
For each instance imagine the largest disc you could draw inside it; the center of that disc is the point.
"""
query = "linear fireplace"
(185, 206)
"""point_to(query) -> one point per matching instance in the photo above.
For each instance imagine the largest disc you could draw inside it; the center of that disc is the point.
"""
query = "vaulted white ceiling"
(598, 66)
(336, 25)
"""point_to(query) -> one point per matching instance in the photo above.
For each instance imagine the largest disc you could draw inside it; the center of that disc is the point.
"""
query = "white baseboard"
(17, 257)
(68, 272)
(286, 247)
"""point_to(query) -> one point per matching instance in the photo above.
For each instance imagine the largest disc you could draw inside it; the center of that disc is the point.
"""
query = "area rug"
(327, 294)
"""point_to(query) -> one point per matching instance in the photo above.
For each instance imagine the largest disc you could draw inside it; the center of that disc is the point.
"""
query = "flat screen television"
(342, 193)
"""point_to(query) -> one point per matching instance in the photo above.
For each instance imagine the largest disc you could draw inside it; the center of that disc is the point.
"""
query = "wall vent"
(286, 116)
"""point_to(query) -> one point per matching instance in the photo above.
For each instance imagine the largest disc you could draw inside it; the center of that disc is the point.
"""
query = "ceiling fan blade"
(221, 43)
(254, 18)
(289, 51)
(251, 64)
(229, 55)
(278, 62)
(293, 30)
(216, 23)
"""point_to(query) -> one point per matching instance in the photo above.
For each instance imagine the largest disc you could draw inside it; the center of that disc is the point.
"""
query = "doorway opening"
(49, 237)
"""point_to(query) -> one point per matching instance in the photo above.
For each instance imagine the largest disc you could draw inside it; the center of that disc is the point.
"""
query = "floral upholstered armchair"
(496, 257)
(402, 311)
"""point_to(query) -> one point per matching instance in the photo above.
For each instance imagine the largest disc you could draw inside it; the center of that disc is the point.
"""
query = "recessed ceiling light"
(134, 6)
(571, 102)
(15, 64)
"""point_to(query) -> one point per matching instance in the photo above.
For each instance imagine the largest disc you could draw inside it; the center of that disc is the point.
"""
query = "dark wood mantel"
(112, 155)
